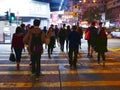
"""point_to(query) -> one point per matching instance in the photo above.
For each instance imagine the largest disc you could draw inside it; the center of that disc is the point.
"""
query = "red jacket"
(17, 40)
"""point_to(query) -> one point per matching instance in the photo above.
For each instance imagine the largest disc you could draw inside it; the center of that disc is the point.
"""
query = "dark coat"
(101, 42)
(17, 40)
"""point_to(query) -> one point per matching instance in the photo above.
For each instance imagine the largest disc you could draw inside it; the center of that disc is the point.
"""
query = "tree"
(92, 14)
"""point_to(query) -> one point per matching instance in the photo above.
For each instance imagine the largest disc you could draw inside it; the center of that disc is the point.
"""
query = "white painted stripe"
(83, 64)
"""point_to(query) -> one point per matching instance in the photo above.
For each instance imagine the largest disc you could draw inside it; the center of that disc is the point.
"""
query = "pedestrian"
(56, 33)
(67, 32)
(79, 29)
(18, 45)
(51, 36)
(23, 30)
(92, 40)
(101, 43)
(45, 31)
(62, 37)
(73, 39)
(35, 46)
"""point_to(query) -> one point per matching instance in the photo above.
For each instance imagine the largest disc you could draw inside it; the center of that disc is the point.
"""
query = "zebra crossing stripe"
(84, 64)
(57, 84)
(79, 71)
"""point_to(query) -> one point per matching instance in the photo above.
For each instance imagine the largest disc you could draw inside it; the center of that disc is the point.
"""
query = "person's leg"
(103, 58)
(38, 68)
(18, 53)
(70, 54)
(75, 57)
(67, 45)
(88, 42)
(49, 51)
(98, 57)
(33, 59)
(80, 43)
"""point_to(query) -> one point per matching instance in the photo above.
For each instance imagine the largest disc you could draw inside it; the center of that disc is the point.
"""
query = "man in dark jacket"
(92, 40)
(101, 43)
(73, 39)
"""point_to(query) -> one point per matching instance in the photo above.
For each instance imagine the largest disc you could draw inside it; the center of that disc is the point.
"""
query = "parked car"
(115, 34)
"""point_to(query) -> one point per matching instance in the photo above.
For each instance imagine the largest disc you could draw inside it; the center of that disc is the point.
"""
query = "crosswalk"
(56, 74)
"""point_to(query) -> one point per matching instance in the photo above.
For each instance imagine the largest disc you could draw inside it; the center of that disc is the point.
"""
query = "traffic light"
(7, 15)
(12, 16)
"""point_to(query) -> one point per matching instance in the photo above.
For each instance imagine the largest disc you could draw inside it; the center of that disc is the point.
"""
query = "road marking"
(59, 58)
(84, 64)
(57, 84)
(114, 49)
(78, 71)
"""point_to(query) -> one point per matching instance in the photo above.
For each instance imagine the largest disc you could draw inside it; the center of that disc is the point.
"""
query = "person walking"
(92, 39)
(51, 35)
(73, 39)
(67, 32)
(62, 37)
(35, 46)
(79, 29)
(17, 45)
(101, 43)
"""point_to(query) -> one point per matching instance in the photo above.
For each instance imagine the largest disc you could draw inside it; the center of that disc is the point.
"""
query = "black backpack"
(36, 43)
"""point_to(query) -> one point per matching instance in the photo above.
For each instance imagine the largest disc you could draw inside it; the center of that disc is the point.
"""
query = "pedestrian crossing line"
(91, 83)
(29, 84)
(7, 55)
(114, 49)
(78, 71)
(60, 58)
(57, 84)
(44, 59)
(93, 64)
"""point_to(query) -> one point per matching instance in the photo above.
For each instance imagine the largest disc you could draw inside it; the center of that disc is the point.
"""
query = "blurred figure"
(18, 45)
(67, 32)
(79, 29)
(45, 31)
(56, 33)
(28, 39)
(62, 37)
(24, 31)
(92, 40)
(101, 43)
(73, 38)
(23, 28)
(51, 35)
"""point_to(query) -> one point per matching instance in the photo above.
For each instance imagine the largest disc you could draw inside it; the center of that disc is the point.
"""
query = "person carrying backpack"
(35, 39)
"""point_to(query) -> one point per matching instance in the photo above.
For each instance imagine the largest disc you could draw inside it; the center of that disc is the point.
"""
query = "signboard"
(75, 14)
(1, 31)
(54, 17)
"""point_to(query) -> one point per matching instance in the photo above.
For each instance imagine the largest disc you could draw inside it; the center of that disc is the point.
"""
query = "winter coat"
(101, 42)
(17, 40)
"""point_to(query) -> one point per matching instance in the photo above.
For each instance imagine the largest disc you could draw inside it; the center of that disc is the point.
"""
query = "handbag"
(12, 57)
(87, 35)
(47, 41)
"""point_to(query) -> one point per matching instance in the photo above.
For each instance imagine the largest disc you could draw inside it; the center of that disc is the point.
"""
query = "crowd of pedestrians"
(71, 35)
